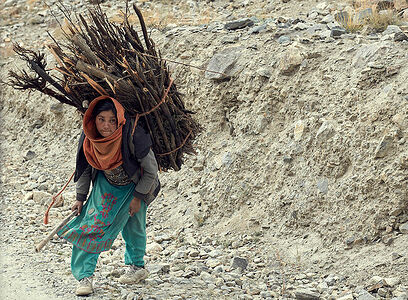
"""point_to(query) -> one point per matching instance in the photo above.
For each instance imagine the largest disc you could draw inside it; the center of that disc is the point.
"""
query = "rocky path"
(19, 278)
(183, 264)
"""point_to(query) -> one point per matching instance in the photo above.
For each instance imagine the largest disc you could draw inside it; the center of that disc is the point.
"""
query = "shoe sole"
(83, 293)
(125, 281)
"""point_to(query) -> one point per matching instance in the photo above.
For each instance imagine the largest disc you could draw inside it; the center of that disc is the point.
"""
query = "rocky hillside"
(299, 185)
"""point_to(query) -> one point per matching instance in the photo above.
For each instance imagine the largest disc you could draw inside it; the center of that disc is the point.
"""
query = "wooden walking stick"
(63, 223)
(54, 231)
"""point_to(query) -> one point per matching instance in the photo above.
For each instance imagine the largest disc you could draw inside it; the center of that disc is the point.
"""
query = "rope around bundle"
(101, 58)
(54, 198)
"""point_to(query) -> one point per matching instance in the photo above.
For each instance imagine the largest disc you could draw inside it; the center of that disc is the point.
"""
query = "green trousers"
(134, 233)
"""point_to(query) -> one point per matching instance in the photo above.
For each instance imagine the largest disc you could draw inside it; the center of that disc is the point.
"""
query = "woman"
(117, 157)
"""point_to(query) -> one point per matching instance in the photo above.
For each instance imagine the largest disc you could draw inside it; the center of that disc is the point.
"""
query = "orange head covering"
(103, 153)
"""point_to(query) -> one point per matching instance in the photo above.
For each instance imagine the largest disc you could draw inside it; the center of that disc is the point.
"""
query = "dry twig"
(101, 57)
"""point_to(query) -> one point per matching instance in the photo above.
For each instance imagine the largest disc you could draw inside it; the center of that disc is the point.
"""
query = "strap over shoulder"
(139, 140)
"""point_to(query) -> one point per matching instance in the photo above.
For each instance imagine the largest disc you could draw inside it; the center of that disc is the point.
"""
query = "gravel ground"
(299, 186)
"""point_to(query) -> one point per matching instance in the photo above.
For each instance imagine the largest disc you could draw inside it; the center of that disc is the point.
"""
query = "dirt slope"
(302, 167)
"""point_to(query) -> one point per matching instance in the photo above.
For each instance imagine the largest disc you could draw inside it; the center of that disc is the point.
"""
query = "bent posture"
(117, 158)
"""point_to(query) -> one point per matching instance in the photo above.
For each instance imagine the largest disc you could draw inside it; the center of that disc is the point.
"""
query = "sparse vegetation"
(375, 20)
(160, 20)
(351, 25)
(379, 21)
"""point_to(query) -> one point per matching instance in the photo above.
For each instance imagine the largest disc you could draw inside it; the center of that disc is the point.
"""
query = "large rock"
(154, 248)
(368, 53)
(158, 268)
(304, 294)
(337, 31)
(392, 281)
(284, 40)
(29, 155)
(383, 147)
(328, 19)
(212, 263)
(325, 131)
(376, 281)
(10, 3)
(392, 29)
(349, 296)
(290, 61)
(239, 262)
(239, 24)
(312, 30)
(323, 185)
(35, 20)
(223, 65)
(404, 228)
(258, 29)
(42, 198)
(364, 295)
(400, 36)
(28, 196)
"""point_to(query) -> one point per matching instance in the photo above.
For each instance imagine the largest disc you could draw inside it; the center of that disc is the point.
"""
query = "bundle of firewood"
(99, 57)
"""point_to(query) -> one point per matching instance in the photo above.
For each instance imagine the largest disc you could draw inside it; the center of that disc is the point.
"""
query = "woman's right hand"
(77, 206)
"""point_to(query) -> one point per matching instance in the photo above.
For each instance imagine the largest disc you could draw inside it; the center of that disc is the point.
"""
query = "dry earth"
(301, 170)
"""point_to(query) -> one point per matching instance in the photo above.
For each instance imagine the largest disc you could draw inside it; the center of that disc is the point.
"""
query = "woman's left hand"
(134, 206)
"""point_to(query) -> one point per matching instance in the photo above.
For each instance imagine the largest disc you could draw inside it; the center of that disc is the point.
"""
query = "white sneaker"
(84, 287)
(134, 274)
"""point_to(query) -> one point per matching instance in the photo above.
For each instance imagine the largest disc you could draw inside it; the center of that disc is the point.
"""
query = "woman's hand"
(77, 206)
(134, 206)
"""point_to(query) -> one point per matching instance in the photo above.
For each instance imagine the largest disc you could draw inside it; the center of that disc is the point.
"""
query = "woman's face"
(106, 123)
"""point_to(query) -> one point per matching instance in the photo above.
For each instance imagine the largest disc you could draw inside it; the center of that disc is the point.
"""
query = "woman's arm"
(145, 183)
(149, 175)
(82, 189)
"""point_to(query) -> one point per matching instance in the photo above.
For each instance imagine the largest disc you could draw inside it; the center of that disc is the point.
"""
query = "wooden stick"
(92, 70)
(79, 41)
(54, 231)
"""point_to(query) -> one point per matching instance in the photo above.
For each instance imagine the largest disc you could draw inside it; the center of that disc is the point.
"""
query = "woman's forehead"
(107, 114)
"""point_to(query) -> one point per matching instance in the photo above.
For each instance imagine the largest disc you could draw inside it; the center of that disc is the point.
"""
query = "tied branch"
(98, 57)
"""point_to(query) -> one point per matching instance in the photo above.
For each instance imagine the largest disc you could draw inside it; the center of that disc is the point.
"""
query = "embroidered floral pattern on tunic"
(95, 231)
(108, 201)
(103, 216)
